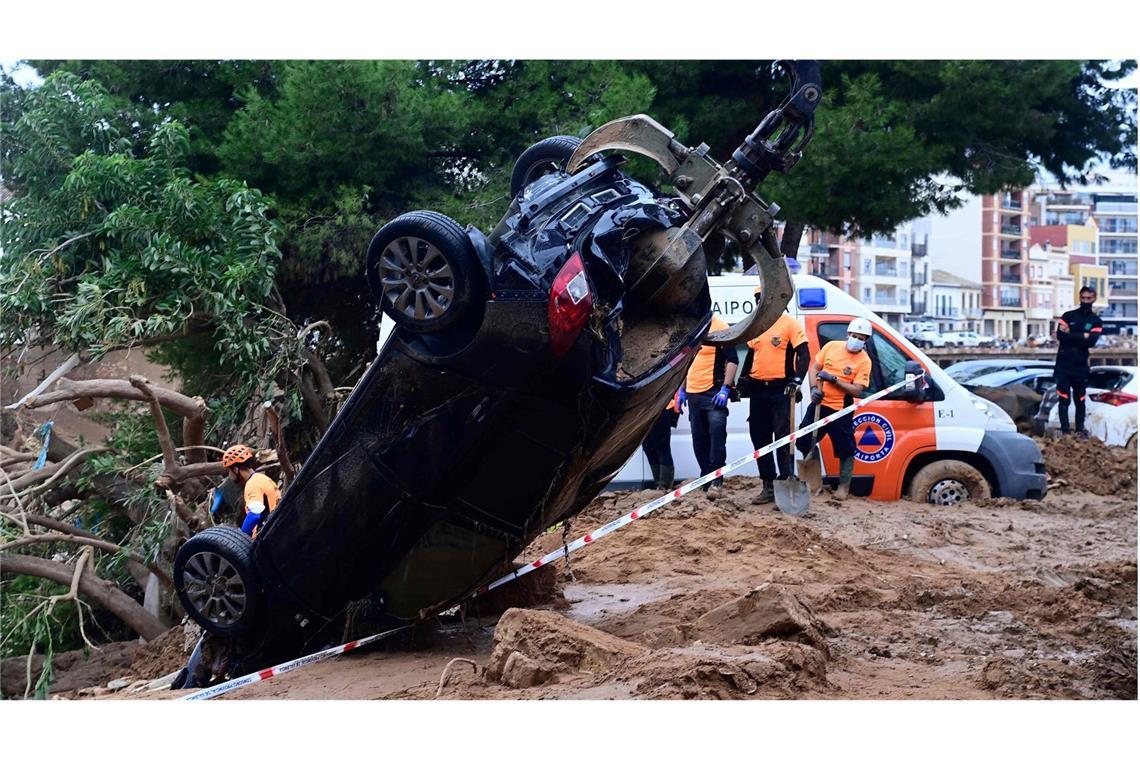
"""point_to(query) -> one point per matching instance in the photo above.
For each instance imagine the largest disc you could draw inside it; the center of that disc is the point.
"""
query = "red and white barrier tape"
(276, 670)
(589, 538)
(692, 485)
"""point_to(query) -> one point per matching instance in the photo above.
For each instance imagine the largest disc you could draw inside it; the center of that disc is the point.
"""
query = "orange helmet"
(236, 455)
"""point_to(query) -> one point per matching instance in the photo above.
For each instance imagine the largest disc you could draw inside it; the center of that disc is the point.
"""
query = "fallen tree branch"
(101, 592)
(180, 448)
(91, 542)
(71, 363)
(49, 474)
(169, 458)
(70, 390)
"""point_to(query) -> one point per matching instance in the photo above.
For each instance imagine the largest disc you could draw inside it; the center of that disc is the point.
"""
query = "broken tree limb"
(26, 485)
(70, 390)
(279, 442)
(136, 565)
(71, 363)
(97, 590)
(169, 457)
(93, 542)
(182, 473)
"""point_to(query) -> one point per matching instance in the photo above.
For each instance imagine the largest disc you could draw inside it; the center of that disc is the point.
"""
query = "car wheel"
(216, 581)
(424, 271)
(544, 157)
(947, 483)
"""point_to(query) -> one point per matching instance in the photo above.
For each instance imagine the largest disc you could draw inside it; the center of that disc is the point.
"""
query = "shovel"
(793, 497)
(810, 466)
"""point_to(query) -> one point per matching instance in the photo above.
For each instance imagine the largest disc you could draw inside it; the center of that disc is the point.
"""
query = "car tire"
(544, 157)
(948, 482)
(423, 269)
(216, 581)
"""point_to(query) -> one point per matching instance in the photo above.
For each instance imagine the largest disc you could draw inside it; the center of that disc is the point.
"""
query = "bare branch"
(169, 458)
(49, 474)
(180, 448)
(279, 442)
(70, 390)
(90, 542)
(101, 592)
(71, 363)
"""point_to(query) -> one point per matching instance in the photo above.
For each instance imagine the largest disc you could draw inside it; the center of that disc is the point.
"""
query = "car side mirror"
(915, 389)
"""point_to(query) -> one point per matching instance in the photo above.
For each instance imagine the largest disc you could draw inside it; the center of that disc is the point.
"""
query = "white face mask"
(854, 345)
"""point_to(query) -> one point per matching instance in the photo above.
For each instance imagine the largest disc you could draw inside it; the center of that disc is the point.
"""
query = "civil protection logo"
(874, 437)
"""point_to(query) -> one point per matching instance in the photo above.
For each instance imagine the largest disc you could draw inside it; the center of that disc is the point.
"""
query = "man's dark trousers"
(709, 424)
(768, 421)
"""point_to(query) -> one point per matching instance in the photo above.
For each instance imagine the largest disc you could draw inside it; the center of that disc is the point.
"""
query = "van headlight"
(996, 418)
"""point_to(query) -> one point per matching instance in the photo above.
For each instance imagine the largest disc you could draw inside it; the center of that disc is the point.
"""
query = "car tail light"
(1114, 398)
(570, 304)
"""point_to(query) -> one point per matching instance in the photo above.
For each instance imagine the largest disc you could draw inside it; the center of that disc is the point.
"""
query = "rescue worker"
(1077, 331)
(261, 493)
(708, 387)
(840, 371)
(774, 369)
(658, 449)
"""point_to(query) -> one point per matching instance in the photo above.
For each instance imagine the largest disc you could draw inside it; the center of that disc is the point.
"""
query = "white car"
(928, 339)
(1110, 409)
(967, 339)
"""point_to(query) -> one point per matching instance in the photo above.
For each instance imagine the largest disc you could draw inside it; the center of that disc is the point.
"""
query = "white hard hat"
(860, 326)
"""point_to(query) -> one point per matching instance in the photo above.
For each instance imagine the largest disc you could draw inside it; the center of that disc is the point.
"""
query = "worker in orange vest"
(708, 387)
(261, 493)
(774, 368)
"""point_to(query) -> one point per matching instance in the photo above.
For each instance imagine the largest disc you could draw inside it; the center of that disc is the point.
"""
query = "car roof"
(1009, 376)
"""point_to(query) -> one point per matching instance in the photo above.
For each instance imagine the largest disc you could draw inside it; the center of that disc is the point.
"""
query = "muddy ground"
(717, 598)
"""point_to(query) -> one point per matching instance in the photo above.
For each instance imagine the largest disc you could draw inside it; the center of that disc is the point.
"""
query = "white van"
(947, 447)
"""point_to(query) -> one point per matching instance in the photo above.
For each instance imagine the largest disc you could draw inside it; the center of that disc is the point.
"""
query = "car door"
(889, 432)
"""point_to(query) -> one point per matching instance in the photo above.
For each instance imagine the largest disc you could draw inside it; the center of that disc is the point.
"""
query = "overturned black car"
(526, 367)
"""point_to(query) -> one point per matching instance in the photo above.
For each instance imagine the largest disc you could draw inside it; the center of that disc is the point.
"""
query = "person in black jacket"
(1077, 331)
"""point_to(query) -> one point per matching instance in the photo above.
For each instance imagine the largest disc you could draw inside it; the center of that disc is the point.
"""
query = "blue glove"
(816, 396)
(682, 399)
(251, 521)
(824, 375)
(721, 398)
(217, 503)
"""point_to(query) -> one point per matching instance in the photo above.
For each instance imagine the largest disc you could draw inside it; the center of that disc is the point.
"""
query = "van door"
(890, 432)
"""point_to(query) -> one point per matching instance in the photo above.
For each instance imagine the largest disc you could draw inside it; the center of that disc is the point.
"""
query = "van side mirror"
(915, 389)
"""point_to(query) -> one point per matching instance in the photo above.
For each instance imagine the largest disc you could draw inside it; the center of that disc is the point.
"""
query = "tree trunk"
(790, 241)
(92, 587)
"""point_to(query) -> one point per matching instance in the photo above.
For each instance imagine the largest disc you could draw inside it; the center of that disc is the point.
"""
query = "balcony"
(831, 272)
(1012, 203)
(889, 299)
(885, 271)
(1011, 253)
(947, 313)
(1011, 229)
(971, 313)
(1011, 302)
(918, 249)
(1013, 278)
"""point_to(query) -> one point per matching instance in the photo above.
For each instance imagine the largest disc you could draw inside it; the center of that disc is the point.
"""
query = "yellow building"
(1093, 276)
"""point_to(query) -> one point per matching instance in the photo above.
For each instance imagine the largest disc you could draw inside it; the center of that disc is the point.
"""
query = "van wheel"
(948, 483)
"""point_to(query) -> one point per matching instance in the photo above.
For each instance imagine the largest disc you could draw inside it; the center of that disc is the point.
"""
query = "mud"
(713, 598)
(1080, 464)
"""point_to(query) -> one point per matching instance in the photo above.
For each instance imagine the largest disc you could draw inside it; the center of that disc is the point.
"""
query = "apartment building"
(953, 302)
(1111, 208)
(1005, 264)
(875, 270)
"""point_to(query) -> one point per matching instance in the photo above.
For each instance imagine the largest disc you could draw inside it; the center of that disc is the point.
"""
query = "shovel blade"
(792, 496)
(811, 473)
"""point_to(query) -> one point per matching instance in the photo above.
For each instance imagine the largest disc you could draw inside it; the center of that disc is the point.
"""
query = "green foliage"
(110, 242)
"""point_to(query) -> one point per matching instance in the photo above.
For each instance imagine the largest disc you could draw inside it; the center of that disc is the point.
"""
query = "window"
(888, 361)
(866, 265)
(1108, 379)
(847, 261)
(866, 295)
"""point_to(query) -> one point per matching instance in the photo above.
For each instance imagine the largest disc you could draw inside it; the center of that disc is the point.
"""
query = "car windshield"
(965, 372)
(998, 379)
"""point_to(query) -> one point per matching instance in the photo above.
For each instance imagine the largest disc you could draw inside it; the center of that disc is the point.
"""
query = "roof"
(942, 277)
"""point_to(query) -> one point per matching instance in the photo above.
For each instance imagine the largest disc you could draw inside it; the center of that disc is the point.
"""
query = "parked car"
(941, 446)
(965, 372)
(928, 339)
(1017, 391)
(1110, 409)
(967, 339)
